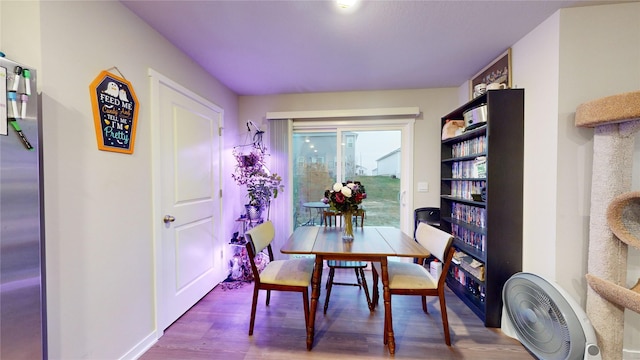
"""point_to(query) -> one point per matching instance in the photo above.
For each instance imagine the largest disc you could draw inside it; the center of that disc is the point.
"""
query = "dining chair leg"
(376, 294)
(445, 320)
(268, 296)
(358, 278)
(315, 294)
(386, 294)
(424, 304)
(254, 304)
(332, 272)
(385, 339)
(326, 286)
(305, 306)
(366, 290)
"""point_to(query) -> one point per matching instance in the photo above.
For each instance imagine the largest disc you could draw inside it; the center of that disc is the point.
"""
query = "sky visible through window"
(372, 145)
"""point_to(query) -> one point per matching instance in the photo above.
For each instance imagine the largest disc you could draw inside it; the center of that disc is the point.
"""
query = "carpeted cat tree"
(615, 216)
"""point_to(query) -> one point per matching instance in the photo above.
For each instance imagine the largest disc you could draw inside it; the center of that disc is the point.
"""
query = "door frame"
(397, 118)
(156, 79)
(405, 126)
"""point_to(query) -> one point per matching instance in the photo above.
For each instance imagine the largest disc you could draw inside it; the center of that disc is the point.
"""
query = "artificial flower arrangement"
(345, 198)
(252, 171)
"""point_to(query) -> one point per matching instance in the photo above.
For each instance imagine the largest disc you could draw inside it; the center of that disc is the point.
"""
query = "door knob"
(168, 218)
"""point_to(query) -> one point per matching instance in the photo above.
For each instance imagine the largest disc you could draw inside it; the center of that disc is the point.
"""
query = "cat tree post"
(616, 119)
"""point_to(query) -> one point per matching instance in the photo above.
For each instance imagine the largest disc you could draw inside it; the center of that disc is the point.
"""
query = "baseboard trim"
(631, 354)
(141, 347)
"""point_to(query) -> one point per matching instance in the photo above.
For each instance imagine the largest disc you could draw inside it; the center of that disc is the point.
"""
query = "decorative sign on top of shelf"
(115, 112)
(493, 75)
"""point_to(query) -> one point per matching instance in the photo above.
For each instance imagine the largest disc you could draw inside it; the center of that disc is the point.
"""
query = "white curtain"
(280, 131)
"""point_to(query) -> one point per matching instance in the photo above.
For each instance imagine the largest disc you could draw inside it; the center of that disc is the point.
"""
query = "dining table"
(319, 207)
(370, 243)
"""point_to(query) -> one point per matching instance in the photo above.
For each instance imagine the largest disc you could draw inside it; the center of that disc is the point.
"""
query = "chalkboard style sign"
(115, 112)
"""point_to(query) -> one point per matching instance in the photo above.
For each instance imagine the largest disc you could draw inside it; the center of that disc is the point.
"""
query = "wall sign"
(115, 112)
(499, 71)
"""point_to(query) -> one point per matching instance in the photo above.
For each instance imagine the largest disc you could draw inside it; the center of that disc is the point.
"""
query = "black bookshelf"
(489, 229)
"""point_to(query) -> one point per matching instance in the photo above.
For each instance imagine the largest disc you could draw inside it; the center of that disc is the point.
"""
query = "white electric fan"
(546, 320)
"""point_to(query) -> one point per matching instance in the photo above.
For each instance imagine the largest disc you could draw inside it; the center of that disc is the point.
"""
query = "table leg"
(312, 219)
(315, 295)
(388, 328)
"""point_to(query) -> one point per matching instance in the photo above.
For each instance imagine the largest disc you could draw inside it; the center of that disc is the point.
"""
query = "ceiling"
(302, 46)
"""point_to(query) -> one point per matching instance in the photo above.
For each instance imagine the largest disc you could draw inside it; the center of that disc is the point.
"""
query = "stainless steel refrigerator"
(22, 281)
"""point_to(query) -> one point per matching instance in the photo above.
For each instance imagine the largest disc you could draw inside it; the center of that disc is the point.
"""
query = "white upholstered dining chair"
(283, 275)
(415, 279)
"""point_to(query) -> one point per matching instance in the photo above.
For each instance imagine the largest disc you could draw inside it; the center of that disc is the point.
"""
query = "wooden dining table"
(370, 243)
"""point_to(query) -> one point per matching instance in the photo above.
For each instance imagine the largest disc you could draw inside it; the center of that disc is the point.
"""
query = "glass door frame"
(406, 128)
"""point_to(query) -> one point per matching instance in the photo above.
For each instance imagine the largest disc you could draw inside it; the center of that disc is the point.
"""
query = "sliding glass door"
(327, 152)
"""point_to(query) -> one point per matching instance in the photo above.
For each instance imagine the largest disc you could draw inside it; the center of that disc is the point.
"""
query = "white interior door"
(191, 249)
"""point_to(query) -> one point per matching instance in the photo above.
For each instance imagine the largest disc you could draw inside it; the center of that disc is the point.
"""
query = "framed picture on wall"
(498, 71)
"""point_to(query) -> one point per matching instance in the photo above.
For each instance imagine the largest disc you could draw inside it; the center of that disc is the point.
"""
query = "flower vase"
(347, 232)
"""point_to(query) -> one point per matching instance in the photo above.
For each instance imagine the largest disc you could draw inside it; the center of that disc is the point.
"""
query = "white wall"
(576, 55)
(98, 204)
(535, 68)
(607, 64)
(29, 28)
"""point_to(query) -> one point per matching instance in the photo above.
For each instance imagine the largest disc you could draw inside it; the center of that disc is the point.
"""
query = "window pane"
(374, 159)
(314, 171)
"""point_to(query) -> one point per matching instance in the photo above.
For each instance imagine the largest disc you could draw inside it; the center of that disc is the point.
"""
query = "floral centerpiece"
(262, 186)
(345, 198)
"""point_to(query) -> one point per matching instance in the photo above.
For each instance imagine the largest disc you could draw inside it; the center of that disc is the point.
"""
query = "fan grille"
(539, 316)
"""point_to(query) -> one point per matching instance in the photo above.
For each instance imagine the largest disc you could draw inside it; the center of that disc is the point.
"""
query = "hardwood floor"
(217, 328)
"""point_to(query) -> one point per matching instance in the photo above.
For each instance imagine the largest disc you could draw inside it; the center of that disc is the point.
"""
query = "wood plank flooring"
(217, 328)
